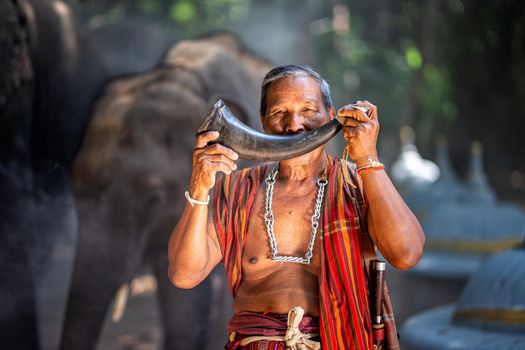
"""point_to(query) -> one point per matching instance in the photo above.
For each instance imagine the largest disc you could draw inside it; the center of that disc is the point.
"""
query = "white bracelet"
(194, 201)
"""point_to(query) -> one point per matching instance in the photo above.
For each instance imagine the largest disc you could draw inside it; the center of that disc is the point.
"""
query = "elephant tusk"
(260, 147)
(121, 299)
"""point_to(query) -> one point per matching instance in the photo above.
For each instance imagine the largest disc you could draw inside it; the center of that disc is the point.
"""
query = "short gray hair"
(294, 70)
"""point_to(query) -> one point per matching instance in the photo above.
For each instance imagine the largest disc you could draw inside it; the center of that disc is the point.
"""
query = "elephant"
(18, 324)
(49, 77)
(129, 179)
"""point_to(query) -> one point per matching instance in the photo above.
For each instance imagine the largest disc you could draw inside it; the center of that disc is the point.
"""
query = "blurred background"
(99, 103)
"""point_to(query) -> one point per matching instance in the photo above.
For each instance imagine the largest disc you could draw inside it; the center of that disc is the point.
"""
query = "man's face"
(294, 105)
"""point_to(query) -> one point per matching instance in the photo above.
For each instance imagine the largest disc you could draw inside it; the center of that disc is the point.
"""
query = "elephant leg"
(101, 267)
(185, 313)
(18, 325)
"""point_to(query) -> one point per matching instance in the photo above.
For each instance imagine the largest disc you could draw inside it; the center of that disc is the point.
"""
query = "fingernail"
(235, 156)
(234, 166)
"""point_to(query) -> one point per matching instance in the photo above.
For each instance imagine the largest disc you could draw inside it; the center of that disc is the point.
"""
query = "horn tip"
(219, 103)
(206, 124)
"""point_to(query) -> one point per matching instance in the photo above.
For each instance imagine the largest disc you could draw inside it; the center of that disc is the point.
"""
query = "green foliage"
(436, 94)
(413, 57)
(186, 17)
(149, 6)
(227, 11)
(182, 12)
(361, 69)
(446, 67)
(116, 14)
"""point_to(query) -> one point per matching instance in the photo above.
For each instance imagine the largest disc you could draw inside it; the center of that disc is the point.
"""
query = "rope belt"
(294, 338)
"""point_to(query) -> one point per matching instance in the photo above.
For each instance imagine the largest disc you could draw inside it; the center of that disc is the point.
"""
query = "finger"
(209, 167)
(372, 109)
(359, 106)
(220, 158)
(351, 122)
(351, 133)
(222, 167)
(219, 149)
(353, 112)
(205, 137)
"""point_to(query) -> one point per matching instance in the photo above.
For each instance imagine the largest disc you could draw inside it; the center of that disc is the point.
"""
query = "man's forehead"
(296, 86)
(304, 98)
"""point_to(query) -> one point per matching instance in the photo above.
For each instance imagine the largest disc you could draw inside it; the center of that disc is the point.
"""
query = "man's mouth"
(291, 133)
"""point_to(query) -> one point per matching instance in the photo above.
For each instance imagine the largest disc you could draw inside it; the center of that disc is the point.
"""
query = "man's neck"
(300, 169)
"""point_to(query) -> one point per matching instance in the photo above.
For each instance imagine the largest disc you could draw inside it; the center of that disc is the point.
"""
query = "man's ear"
(332, 113)
(262, 121)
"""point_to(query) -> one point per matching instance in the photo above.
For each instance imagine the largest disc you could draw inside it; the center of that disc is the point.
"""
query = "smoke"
(280, 34)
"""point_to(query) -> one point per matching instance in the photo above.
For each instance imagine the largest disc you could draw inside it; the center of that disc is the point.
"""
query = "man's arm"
(392, 225)
(194, 249)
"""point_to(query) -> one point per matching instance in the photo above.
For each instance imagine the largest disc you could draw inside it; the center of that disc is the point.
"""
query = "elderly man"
(288, 233)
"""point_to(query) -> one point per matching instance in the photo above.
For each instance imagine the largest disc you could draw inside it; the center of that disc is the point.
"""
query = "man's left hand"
(361, 127)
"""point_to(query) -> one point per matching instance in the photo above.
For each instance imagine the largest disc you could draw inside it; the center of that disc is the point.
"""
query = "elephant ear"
(227, 70)
(144, 124)
(102, 137)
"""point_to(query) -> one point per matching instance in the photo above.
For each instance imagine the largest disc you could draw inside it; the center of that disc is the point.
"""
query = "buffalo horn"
(260, 147)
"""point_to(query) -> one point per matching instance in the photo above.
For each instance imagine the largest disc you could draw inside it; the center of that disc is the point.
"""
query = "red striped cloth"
(343, 296)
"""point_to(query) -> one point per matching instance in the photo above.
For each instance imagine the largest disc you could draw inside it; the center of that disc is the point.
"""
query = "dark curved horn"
(260, 147)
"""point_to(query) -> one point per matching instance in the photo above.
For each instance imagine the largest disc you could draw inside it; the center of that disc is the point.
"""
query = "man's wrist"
(366, 160)
(194, 201)
(198, 194)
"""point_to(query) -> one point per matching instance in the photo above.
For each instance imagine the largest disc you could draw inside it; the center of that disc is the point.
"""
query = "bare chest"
(292, 231)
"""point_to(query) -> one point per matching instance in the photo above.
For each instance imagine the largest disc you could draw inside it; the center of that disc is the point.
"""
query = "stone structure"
(490, 313)
(463, 224)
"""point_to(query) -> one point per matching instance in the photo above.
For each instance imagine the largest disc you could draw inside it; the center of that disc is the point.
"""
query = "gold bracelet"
(194, 201)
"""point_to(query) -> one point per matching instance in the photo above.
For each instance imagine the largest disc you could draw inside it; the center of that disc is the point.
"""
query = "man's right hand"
(207, 161)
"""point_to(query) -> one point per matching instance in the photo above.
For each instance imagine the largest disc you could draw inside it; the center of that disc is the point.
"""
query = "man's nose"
(294, 123)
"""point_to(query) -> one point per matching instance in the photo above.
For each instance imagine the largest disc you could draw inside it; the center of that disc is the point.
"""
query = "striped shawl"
(343, 296)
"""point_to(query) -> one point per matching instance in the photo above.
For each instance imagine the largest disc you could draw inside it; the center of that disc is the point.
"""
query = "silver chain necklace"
(269, 219)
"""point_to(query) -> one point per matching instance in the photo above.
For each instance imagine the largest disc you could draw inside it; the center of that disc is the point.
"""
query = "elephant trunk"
(260, 147)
